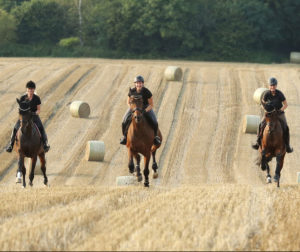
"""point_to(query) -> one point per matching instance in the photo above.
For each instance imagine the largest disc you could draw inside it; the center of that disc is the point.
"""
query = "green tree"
(40, 21)
(7, 28)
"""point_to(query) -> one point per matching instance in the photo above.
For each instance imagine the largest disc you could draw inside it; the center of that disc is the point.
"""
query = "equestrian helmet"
(272, 81)
(30, 84)
(139, 78)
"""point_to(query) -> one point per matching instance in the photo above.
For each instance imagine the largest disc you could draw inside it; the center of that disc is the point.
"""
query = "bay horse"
(140, 138)
(28, 144)
(272, 144)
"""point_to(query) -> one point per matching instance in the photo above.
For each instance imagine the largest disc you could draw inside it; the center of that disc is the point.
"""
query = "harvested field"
(210, 195)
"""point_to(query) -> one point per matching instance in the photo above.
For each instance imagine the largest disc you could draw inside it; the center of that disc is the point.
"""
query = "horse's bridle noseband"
(137, 109)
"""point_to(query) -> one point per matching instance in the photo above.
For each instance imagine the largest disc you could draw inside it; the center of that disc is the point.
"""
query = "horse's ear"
(18, 101)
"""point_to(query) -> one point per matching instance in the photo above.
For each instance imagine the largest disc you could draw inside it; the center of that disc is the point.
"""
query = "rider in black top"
(276, 99)
(35, 106)
(139, 89)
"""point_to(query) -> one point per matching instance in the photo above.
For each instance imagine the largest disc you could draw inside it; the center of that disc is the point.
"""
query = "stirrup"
(9, 148)
(289, 149)
(157, 140)
(46, 147)
(123, 140)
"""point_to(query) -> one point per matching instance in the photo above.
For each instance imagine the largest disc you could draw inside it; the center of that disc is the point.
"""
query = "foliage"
(7, 28)
(69, 42)
(212, 29)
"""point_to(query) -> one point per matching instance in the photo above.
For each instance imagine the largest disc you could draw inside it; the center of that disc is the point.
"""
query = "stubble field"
(210, 195)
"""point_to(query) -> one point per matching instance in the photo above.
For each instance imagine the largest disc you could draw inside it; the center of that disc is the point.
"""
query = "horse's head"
(25, 113)
(270, 110)
(136, 106)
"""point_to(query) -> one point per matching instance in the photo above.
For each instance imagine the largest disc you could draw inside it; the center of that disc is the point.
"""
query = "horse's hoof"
(155, 175)
(30, 183)
(18, 181)
(139, 178)
(146, 184)
(269, 180)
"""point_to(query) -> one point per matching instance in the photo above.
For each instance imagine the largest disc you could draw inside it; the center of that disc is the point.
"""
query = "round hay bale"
(295, 57)
(80, 109)
(126, 180)
(37, 169)
(173, 73)
(258, 94)
(251, 123)
(95, 151)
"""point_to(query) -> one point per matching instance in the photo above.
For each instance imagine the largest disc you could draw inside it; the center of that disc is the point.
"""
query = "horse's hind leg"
(43, 167)
(31, 175)
(138, 168)
(154, 165)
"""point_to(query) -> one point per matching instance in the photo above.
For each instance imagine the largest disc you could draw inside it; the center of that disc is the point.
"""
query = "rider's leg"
(286, 134)
(13, 137)
(260, 131)
(38, 122)
(150, 116)
(125, 126)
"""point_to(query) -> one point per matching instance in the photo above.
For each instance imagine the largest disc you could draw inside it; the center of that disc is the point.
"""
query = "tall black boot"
(44, 140)
(287, 140)
(12, 140)
(258, 139)
(125, 126)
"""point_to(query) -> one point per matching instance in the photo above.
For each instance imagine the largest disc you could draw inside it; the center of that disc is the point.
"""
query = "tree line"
(205, 29)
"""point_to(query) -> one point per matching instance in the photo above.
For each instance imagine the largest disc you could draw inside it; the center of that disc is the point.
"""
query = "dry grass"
(208, 217)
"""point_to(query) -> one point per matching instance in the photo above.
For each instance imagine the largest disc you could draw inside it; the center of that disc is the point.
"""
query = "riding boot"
(260, 131)
(45, 140)
(12, 140)
(124, 131)
(151, 118)
(287, 140)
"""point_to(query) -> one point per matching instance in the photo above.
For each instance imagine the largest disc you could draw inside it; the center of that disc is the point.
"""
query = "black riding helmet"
(273, 81)
(138, 78)
(30, 84)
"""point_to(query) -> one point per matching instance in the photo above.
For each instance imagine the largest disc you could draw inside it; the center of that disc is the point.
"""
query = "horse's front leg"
(43, 167)
(264, 164)
(154, 165)
(146, 169)
(31, 175)
(130, 163)
(20, 168)
(137, 167)
(279, 165)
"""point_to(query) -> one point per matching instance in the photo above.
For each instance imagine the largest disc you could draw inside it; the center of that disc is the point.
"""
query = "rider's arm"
(284, 105)
(150, 106)
(38, 109)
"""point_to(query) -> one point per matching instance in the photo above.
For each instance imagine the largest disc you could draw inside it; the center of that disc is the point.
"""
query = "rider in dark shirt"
(139, 89)
(35, 107)
(275, 98)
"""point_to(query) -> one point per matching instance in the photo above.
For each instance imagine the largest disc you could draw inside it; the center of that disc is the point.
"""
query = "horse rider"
(35, 108)
(277, 99)
(146, 94)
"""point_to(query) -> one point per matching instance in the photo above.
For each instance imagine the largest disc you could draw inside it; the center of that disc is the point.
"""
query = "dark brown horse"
(273, 144)
(28, 144)
(140, 139)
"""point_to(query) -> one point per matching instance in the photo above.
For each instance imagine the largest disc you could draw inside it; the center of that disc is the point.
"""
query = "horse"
(272, 144)
(28, 144)
(140, 138)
